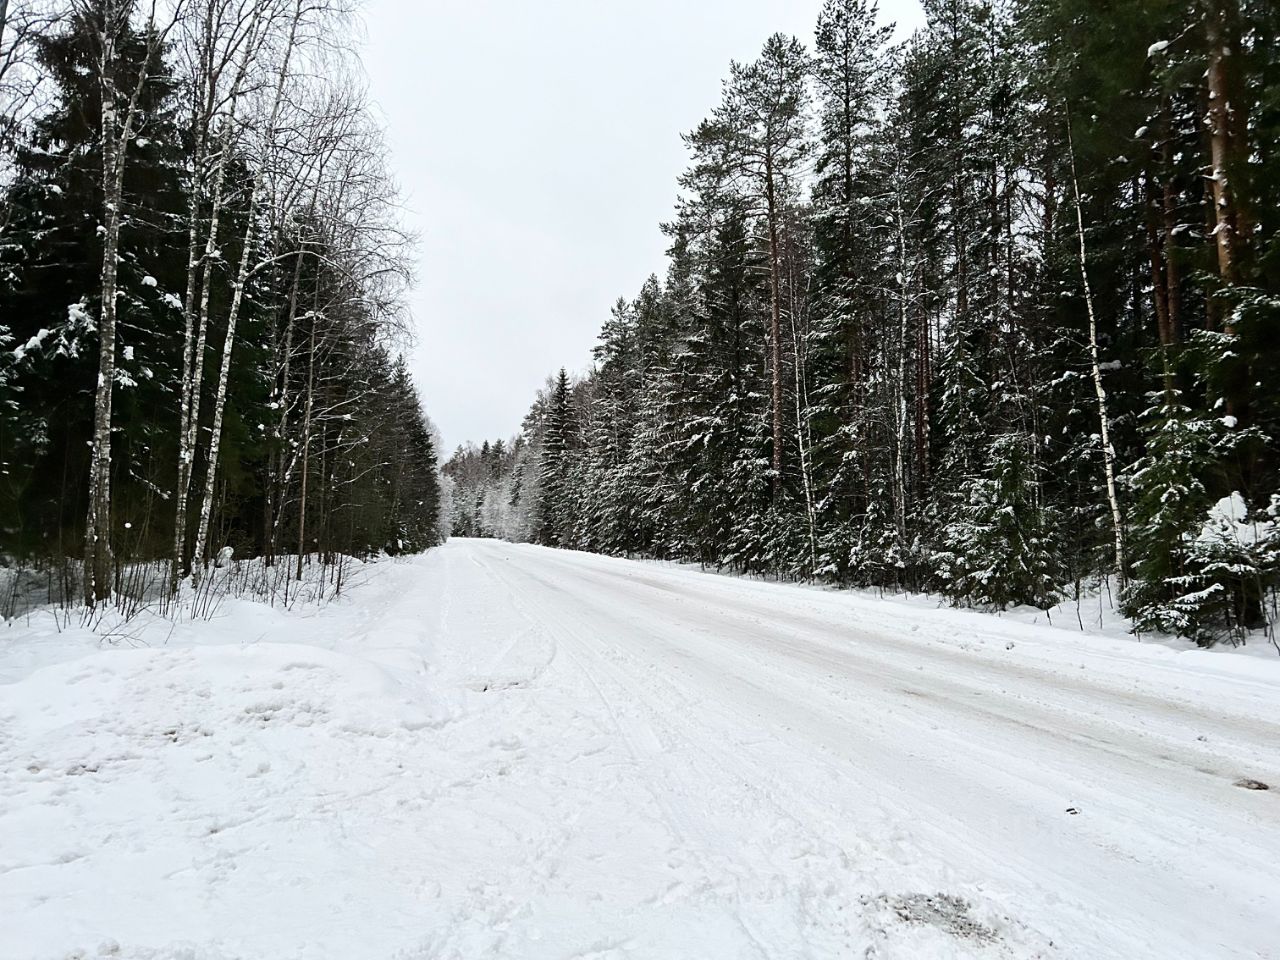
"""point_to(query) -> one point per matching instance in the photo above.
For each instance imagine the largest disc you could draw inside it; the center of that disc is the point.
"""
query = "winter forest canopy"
(993, 312)
(202, 298)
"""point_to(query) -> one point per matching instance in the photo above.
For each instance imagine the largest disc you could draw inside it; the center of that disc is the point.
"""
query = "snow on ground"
(506, 751)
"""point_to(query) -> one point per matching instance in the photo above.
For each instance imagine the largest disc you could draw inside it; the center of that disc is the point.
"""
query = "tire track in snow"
(836, 883)
(1058, 715)
(640, 740)
(713, 645)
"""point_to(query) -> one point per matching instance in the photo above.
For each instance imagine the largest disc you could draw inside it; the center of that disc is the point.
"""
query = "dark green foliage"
(556, 516)
(996, 546)
(50, 255)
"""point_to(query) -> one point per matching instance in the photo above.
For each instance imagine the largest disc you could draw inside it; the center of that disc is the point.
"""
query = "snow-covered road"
(507, 751)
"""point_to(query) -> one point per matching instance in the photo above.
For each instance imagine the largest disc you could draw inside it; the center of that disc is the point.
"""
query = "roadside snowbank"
(206, 790)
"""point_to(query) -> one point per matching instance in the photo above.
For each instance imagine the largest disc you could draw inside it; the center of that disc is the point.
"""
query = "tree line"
(991, 312)
(202, 295)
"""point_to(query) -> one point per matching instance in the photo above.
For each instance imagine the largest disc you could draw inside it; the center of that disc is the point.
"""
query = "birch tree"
(267, 151)
(225, 38)
(105, 21)
(1095, 371)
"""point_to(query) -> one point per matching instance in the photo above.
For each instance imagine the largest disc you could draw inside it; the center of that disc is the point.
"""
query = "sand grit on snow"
(499, 751)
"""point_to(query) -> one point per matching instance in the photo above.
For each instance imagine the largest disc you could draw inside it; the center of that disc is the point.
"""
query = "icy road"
(507, 751)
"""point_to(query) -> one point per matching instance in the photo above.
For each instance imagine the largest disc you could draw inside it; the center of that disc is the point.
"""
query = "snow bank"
(203, 796)
(176, 776)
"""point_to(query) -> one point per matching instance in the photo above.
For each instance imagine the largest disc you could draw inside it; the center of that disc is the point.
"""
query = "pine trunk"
(1226, 124)
(900, 431)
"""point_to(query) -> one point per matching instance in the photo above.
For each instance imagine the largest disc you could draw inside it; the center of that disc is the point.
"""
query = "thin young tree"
(1095, 369)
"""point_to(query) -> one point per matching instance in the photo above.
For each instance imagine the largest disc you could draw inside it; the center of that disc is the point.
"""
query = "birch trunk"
(97, 551)
(116, 133)
(775, 325)
(306, 451)
(1104, 420)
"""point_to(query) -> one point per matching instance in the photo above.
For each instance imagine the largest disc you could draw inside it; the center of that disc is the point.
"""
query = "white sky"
(538, 144)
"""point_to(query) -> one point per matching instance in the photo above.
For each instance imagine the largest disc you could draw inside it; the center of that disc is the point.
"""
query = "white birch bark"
(900, 431)
(195, 332)
(1104, 420)
(117, 132)
(237, 297)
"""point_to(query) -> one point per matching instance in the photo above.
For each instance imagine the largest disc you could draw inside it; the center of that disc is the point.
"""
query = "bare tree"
(226, 38)
(267, 147)
(317, 192)
(290, 218)
(363, 271)
(21, 76)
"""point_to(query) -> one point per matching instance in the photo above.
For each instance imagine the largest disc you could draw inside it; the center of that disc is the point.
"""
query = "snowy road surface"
(506, 751)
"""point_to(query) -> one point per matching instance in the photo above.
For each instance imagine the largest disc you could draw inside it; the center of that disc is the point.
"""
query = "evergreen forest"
(993, 313)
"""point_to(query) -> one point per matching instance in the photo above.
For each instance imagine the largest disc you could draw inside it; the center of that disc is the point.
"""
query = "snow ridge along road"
(506, 751)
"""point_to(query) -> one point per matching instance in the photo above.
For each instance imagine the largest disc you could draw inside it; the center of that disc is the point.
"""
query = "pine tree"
(927, 364)
(554, 516)
(850, 274)
(763, 123)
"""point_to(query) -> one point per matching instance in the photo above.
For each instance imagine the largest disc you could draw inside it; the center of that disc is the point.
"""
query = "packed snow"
(506, 751)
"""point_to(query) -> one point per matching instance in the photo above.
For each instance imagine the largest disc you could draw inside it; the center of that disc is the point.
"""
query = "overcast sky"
(537, 143)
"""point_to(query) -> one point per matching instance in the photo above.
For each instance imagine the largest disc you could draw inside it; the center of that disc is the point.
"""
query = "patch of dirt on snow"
(1248, 783)
(944, 911)
(111, 950)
